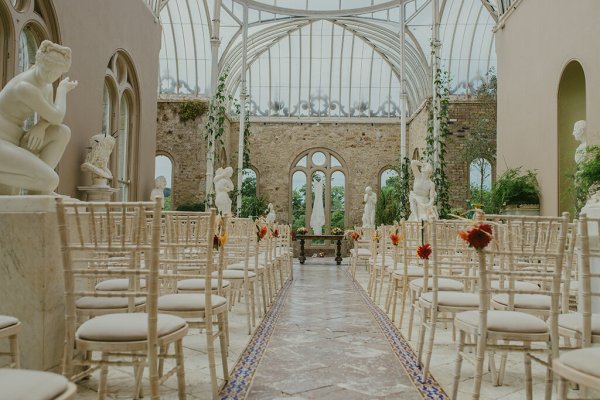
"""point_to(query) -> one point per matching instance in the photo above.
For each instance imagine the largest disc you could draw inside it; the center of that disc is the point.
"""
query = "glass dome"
(329, 62)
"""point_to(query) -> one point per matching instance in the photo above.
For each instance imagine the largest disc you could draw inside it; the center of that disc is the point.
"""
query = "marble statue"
(317, 217)
(580, 136)
(422, 197)
(96, 160)
(370, 201)
(160, 183)
(28, 158)
(271, 216)
(223, 186)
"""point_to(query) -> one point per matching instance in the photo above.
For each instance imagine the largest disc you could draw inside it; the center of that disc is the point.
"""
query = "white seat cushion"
(188, 302)
(412, 270)
(505, 321)
(113, 285)
(7, 320)
(21, 384)
(105, 303)
(199, 284)
(519, 285)
(126, 327)
(584, 360)
(525, 301)
(362, 252)
(574, 322)
(230, 274)
(443, 284)
(453, 299)
(240, 266)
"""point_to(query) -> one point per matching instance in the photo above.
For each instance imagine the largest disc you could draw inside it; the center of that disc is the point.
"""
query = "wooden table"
(338, 245)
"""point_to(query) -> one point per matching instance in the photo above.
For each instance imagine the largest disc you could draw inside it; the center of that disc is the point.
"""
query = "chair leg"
(394, 299)
(246, 285)
(528, 381)
(224, 342)
(457, 366)
(421, 337)
(479, 359)
(403, 301)
(180, 369)
(103, 378)
(139, 373)
(430, 341)
(14, 351)
(411, 315)
(549, 378)
(210, 351)
(253, 302)
(563, 387)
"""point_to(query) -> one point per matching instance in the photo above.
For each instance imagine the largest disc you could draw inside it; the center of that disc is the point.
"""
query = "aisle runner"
(430, 389)
(240, 378)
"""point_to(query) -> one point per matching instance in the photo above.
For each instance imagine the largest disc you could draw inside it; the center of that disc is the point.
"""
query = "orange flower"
(463, 235)
(355, 235)
(424, 251)
(395, 238)
(261, 232)
(275, 233)
(223, 239)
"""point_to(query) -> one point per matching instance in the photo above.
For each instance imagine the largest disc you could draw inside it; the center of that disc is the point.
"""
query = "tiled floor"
(326, 345)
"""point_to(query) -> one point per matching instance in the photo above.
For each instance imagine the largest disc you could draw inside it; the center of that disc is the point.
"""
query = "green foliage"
(247, 132)
(441, 108)
(190, 110)
(404, 188)
(481, 197)
(337, 207)
(299, 207)
(587, 177)
(167, 205)
(217, 110)
(191, 207)
(388, 206)
(514, 187)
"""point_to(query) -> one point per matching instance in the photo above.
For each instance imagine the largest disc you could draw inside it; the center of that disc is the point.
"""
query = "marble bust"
(580, 135)
(370, 201)
(422, 197)
(28, 158)
(271, 215)
(96, 160)
(223, 186)
(160, 183)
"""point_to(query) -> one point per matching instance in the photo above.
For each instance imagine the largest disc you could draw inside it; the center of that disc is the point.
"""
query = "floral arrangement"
(424, 251)
(352, 234)
(375, 236)
(395, 237)
(302, 231)
(261, 232)
(478, 237)
(220, 237)
(337, 231)
(275, 233)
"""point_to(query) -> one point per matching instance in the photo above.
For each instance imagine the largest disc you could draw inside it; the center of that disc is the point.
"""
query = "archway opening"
(480, 181)
(571, 108)
(163, 166)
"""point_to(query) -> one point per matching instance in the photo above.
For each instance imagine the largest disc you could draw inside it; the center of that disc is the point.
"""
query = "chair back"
(589, 280)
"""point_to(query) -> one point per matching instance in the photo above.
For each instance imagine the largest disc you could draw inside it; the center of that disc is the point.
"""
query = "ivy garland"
(405, 179)
(440, 179)
(217, 110)
(247, 132)
(190, 110)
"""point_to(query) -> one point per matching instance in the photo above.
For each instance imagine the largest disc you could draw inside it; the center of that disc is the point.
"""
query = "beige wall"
(539, 39)
(95, 30)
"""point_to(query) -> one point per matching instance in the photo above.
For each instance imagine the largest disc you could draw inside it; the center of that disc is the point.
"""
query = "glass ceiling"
(347, 65)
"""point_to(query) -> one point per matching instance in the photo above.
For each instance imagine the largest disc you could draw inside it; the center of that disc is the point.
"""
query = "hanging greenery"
(247, 132)
(190, 110)
(404, 189)
(441, 108)
(217, 110)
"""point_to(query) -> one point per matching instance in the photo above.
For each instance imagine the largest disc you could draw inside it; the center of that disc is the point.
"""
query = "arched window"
(163, 166)
(120, 106)
(6, 35)
(29, 42)
(329, 168)
(387, 177)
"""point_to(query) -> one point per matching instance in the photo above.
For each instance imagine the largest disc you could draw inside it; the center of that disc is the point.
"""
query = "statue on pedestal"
(271, 216)
(160, 183)
(28, 158)
(317, 217)
(370, 201)
(96, 161)
(223, 186)
(580, 135)
(422, 197)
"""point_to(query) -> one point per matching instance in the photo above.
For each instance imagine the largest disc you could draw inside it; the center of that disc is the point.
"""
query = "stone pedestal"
(98, 193)
(31, 282)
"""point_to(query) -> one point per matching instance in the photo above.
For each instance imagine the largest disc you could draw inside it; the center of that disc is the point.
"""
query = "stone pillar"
(31, 283)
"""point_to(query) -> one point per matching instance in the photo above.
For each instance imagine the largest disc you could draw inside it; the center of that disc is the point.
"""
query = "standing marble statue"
(96, 161)
(223, 186)
(370, 201)
(271, 216)
(28, 158)
(580, 135)
(422, 197)
(160, 183)
(317, 217)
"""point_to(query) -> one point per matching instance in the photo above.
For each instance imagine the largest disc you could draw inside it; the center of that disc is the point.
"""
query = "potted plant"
(516, 192)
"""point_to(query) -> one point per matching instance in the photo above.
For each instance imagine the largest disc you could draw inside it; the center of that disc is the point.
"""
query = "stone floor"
(325, 345)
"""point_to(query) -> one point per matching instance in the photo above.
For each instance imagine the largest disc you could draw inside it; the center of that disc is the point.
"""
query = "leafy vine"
(217, 110)
(404, 188)
(190, 110)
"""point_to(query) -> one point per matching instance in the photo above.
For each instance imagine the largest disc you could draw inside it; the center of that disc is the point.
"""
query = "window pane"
(123, 150)
(298, 200)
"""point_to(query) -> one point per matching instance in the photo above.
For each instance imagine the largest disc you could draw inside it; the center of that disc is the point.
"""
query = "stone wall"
(365, 150)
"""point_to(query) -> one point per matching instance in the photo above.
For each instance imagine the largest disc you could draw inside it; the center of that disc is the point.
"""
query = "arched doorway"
(163, 166)
(571, 108)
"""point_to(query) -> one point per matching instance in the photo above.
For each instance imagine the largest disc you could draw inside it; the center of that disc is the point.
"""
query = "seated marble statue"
(422, 197)
(96, 161)
(160, 183)
(28, 158)
(223, 186)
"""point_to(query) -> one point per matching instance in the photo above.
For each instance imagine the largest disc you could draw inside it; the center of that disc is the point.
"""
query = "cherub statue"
(28, 158)
(96, 160)
(223, 186)
(271, 216)
(160, 183)
(422, 197)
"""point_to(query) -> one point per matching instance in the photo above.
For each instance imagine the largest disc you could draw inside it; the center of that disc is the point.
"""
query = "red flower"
(275, 233)
(216, 242)
(478, 237)
(355, 236)
(261, 232)
(395, 238)
(424, 251)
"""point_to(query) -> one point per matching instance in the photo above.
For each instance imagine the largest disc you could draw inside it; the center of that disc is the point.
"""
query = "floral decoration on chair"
(352, 234)
(220, 237)
(424, 251)
(261, 232)
(395, 237)
(478, 237)
(275, 233)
